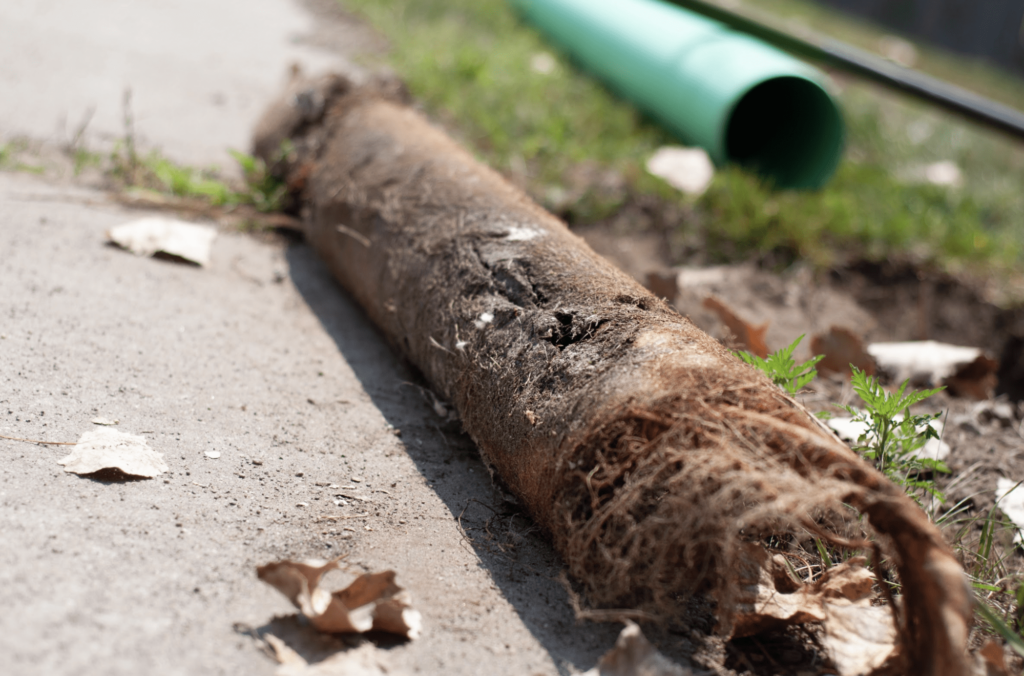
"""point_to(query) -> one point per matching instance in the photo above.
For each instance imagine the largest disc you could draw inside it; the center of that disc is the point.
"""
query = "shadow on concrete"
(510, 546)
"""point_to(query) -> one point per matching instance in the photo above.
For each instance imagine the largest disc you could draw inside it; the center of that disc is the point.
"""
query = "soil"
(263, 358)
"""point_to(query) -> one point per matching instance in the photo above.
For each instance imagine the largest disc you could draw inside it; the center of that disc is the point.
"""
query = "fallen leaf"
(664, 285)
(841, 347)
(974, 380)
(110, 449)
(633, 655)
(372, 601)
(857, 636)
(992, 660)
(922, 360)
(104, 421)
(750, 337)
(687, 169)
(155, 234)
(212, 455)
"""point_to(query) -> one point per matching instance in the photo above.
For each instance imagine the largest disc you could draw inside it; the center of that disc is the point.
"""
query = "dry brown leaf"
(975, 380)
(663, 284)
(633, 655)
(372, 601)
(991, 660)
(858, 637)
(841, 348)
(750, 337)
(108, 448)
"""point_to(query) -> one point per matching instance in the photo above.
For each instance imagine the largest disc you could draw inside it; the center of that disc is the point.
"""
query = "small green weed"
(263, 190)
(783, 369)
(894, 435)
(161, 174)
(82, 159)
(9, 158)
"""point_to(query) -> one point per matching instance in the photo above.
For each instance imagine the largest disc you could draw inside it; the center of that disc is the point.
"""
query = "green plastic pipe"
(738, 98)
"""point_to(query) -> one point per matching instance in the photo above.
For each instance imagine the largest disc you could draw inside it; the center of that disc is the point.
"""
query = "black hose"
(864, 64)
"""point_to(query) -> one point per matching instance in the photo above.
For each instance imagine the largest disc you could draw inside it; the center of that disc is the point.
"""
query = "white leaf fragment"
(929, 359)
(633, 655)
(155, 234)
(110, 449)
(212, 455)
(687, 169)
(1010, 498)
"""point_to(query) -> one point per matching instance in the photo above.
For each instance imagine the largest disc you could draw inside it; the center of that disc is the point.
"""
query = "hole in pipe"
(788, 130)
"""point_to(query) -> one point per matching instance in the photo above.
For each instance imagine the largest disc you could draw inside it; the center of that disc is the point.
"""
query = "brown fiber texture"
(647, 451)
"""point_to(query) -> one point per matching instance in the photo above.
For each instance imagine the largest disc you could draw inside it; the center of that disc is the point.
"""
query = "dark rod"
(864, 64)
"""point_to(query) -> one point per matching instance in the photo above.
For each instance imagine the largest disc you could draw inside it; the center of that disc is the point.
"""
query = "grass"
(470, 63)
(11, 154)
(580, 151)
(125, 170)
(155, 173)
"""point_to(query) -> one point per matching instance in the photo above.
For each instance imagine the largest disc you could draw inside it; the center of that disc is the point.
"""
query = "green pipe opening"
(788, 130)
(738, 98)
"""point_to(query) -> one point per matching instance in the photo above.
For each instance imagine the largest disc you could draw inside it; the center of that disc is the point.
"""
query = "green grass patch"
(471, 62)
(162, 175)
(11, 154)
(580, 151)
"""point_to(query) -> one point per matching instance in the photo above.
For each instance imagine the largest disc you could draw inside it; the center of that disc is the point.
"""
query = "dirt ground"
(328, 445)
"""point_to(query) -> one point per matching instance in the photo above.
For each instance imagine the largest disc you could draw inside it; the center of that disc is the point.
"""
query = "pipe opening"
(788, 130)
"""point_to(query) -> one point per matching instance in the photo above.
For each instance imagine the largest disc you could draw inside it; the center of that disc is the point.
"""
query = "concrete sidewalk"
(260, 357)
